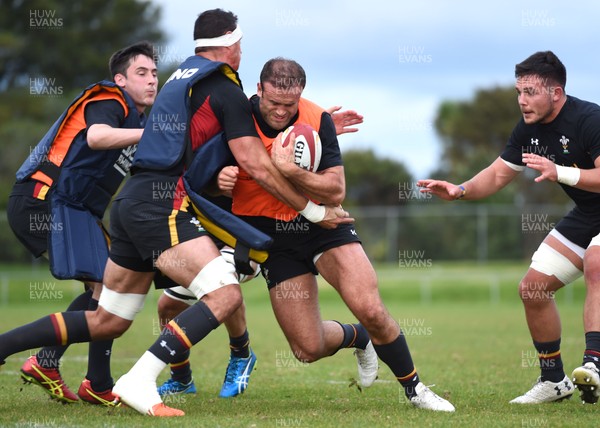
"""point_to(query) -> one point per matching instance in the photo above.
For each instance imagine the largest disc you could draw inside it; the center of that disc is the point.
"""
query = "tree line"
(35, 87)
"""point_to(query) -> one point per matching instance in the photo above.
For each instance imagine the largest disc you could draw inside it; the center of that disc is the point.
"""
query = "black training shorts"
(140, 231)
(296, 243)
(579, 227)
(29, 219)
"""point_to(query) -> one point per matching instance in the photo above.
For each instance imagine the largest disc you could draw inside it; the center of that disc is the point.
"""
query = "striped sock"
(355, 336)
(397, 356)
(551, 364)
(61, 328)
(180, 334)
(49, 356)
(240, 346)
(181, 371)
(592, 348)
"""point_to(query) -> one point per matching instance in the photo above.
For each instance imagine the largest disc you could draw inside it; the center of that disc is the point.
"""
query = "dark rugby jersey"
(218, 104)
(571, 139)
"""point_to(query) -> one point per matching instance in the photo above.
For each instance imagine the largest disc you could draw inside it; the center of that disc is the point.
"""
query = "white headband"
(224, 40)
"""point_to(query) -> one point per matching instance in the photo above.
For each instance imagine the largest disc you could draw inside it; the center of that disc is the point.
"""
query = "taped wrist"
(567, 175)
(313, 212)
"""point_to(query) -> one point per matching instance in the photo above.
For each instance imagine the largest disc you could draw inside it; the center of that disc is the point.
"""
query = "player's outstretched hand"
(545, 166)
(335, 215)
(441, 189)
(343, 120)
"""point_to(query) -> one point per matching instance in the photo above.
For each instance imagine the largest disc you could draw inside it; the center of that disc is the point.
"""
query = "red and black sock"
(181, 370)
(397, 356)
(240, 346)
(355, 336)
(49, 356)
(61, 328)
(181, 333)
(592, 348)
(551, 364)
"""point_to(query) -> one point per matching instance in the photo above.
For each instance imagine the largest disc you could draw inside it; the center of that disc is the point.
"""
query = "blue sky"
(395, 62)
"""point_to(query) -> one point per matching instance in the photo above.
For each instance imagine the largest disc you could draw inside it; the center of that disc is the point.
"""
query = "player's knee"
(169, 308)
(116, 311)
(116, 328)
(163, 307)
(525, 292)
(375, 318)
(232, 295)
(307, 352)
(105, 326)
(224, 301)
(214, 276)
(591, 272)
(535, 293)
(523, 287)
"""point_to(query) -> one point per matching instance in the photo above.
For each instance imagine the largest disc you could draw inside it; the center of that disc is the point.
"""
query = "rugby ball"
(227, 253)
(307, 152)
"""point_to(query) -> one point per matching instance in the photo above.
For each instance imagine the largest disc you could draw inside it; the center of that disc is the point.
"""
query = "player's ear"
(258, 89)
(120, 79)
(555, 91)
(558, 92)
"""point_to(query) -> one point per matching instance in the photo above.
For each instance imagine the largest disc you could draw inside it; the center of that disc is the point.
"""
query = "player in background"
(204, 97)
(83, 163)
(242, 359)
(301, 251)
(586, 377)
(566, 131)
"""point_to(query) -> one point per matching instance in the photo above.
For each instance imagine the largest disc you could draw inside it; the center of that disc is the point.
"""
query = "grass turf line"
(467, 337)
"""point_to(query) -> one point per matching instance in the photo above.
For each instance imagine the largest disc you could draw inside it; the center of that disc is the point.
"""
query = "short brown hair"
(121, 59)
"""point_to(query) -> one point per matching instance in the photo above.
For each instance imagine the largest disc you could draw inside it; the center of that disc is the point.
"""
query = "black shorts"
(579, 227)
(296, 243)
(29, 219)
(140, 231)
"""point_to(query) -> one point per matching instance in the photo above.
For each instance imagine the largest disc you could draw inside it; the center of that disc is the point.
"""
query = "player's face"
(537, 99)
(277, 105)
(140, 81)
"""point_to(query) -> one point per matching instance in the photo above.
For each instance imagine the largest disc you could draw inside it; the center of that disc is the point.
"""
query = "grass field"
(465, 326)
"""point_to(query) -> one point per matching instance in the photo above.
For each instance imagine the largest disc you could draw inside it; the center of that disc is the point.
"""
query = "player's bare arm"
(252, 156)
(485, 183)
(105, 137)
(327, 186)
(584, 179)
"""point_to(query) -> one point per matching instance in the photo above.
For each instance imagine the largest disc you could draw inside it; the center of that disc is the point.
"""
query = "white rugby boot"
(425, 398)
(546, 392)
(368, 365)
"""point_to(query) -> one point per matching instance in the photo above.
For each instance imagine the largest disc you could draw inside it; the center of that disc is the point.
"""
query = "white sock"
(148, 367)
(133, 387)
